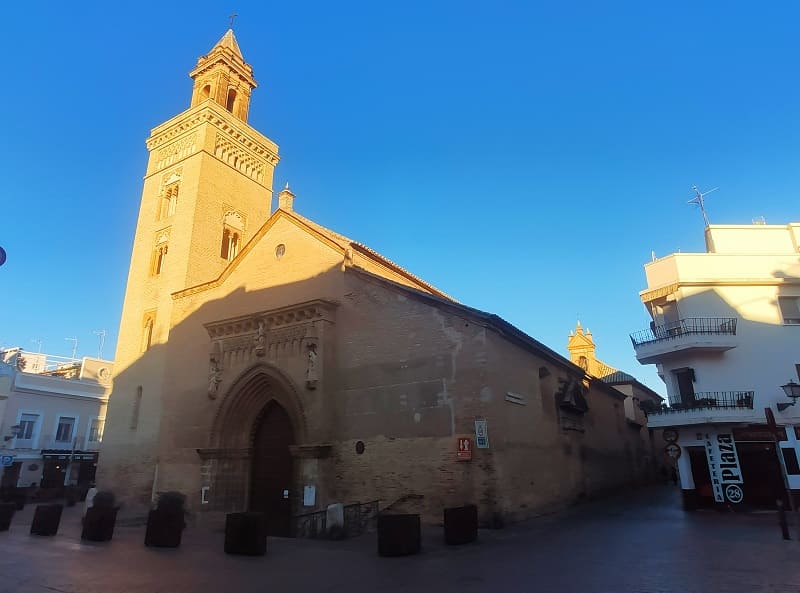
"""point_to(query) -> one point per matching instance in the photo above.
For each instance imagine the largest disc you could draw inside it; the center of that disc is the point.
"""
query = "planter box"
(164, 529)
(246, 534)
(46, 519)
(461, 525)
(98, 524)
(398, 535)
(6, 513)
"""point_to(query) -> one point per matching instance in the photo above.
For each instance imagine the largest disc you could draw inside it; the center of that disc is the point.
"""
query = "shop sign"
(759, 434)
(673, 450)
(723, 465)
(7, 460)
(481, 434)
(670, 435)
(464, 452)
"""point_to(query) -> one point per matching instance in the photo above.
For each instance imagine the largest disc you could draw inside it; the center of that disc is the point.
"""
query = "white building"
(53, 411)
(725, 338)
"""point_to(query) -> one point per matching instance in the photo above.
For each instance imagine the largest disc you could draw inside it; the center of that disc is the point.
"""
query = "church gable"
(283, 251)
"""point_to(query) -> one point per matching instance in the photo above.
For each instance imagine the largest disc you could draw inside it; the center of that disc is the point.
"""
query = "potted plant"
(461, 524)
(6, 513)
(166, 522)
(46, 519)
(398, 535)
(246, 534)
(98, 524)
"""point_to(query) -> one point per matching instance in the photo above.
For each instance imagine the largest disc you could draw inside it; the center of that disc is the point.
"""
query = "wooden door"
(701, 475)
(272, 470)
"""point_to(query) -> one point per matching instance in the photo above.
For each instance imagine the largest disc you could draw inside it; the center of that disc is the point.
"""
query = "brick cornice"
(209, 112)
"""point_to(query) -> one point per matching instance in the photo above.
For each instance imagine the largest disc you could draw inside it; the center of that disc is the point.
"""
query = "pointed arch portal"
(249, 464)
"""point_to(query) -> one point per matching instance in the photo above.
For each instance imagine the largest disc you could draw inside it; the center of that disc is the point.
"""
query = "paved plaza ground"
(640, 543)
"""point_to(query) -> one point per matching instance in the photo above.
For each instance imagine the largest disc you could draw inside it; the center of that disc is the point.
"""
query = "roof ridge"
(336, 237)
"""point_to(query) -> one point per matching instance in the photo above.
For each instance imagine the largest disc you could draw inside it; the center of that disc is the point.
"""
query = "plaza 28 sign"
(723, 465)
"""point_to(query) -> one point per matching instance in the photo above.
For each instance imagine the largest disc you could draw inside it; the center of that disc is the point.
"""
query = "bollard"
(782, 519)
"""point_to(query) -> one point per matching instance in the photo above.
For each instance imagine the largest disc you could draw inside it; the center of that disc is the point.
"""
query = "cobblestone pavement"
(639, 543)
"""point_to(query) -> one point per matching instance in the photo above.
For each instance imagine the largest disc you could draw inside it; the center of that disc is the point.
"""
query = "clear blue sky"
(524, 157)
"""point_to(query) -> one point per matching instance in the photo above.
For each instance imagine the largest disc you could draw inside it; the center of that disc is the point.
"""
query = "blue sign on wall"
(6, 460)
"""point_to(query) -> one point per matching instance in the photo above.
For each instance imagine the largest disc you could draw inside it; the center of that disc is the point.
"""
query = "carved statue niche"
(214, 370)
(311, 369)
(261, 339)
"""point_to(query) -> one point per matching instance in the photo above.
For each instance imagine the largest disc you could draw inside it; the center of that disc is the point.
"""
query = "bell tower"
(223, 76)
(207, 190)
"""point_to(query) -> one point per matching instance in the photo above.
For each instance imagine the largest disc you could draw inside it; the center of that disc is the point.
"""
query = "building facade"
(725, 337)
(265, 362)
(52, 423)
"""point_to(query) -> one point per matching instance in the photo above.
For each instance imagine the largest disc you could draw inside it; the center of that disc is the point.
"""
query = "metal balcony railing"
(50, 442)
(704, 401)
(683, 327)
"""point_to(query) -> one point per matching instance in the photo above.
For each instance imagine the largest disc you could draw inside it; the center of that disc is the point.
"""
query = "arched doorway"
(272, 469)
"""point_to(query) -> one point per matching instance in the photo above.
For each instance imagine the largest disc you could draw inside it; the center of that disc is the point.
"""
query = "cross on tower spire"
(232, 16)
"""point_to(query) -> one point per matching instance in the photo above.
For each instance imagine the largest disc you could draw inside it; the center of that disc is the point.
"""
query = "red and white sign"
(464, 449)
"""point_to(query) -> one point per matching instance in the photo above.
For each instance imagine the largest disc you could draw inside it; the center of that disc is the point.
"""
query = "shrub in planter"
(246, 534)
(98, 524)
(46, 519)
(398, 535)
(166, 522)
(6, 513)
(461, 525)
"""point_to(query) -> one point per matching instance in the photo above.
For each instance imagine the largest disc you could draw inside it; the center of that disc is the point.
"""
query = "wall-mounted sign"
(7, 460)
(464, 451)
(673, 450)
(759, 434)
(309, 495)
(670, 435)
(723, 465)
(481, 434)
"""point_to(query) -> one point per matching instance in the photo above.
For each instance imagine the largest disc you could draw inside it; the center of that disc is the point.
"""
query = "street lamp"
(792, 390)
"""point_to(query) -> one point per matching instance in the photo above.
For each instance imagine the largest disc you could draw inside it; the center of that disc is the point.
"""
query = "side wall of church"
(414, 379)
(410, 379)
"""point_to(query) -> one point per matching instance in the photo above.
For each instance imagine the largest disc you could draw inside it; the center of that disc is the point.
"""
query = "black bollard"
(782, 519)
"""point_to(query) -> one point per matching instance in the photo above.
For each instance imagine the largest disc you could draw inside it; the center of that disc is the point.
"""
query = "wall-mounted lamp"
(792, 390)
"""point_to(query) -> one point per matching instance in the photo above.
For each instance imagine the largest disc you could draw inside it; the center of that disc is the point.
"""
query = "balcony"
(51, 443)
(703, 407)
(715, 334)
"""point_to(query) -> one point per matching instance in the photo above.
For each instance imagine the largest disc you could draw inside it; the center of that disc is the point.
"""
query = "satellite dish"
(2, 256)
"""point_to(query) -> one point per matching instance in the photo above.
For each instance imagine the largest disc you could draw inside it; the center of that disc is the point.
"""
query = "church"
(265, 362)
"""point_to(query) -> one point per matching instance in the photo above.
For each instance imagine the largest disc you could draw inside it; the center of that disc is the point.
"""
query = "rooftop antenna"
(101, 334)
(699, 199)
(38, 342)
(74, 346)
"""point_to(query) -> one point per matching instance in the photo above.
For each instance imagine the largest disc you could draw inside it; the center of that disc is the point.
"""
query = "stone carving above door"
(289, 331)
